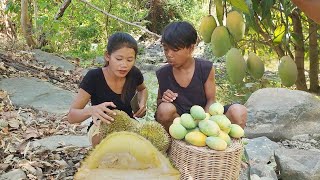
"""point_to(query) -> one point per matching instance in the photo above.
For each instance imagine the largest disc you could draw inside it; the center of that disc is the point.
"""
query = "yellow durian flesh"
(126, 155)
(120, 174)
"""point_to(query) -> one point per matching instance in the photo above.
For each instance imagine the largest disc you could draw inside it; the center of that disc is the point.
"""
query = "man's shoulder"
(163, 68)
(205, 61)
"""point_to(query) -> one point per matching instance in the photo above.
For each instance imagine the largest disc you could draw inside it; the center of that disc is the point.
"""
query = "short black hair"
(179, 35)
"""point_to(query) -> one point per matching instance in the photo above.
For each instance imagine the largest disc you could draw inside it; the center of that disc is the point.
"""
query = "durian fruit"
(122, 122)
(152, 131)
(155, 133)
(126, 155)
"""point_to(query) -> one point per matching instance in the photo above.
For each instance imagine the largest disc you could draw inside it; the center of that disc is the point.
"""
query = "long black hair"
(179, 35)
(115, 42)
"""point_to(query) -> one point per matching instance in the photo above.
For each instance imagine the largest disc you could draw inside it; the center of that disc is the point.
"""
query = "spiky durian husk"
(122, 122)
(156, 134)
(151, 130)
(126, 155)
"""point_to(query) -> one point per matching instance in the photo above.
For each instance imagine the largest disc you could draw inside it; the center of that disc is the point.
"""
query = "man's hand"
(169, 96)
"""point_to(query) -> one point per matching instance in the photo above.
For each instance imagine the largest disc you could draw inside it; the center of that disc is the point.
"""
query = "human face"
(177, 57)
(121, 61)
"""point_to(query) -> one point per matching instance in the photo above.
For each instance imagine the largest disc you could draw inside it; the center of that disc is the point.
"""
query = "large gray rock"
(53, 142)
(263, 170)
(16, 174)
(261, 150)
(297, 164)
(261, 157)
(280, 113)
(41, 95)
(52, 60)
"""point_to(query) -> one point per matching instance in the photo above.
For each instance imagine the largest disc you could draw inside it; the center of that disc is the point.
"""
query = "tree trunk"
(313, 56)
(25, 24)
(10, 30)
(299, 50)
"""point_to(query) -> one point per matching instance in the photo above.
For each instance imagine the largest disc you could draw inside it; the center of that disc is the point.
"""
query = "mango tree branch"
(119, 19)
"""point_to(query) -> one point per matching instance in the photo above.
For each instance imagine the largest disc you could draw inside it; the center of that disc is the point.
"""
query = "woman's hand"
(169, 96)
(141, 112)
(102, 112)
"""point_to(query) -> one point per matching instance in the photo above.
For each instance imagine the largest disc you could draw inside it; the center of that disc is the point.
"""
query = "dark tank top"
(194, 93)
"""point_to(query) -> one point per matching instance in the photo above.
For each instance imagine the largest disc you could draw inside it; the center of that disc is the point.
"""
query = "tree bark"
(299, 50)
(25, 24)
(62, 9)
(313, 56)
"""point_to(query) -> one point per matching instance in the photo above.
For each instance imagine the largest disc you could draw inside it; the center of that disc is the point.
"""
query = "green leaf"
(251, 23)
(279, 33)
(256, 6)
(287, 6)
(296, 39)
(266, 6)
(240, 4)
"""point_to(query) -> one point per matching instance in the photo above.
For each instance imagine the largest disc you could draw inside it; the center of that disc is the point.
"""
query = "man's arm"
(210, 89)
(310, 7)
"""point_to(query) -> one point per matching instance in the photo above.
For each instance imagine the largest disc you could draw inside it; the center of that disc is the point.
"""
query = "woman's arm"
(79, 112)
(159, 98)
(210, 89)
(142, 100)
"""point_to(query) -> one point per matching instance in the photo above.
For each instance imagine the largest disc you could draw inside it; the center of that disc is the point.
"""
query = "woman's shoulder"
(136, 70)
(94, 72)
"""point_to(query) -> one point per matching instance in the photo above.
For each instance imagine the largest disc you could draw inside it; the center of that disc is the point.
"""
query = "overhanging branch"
(63, 7)
(119, 19)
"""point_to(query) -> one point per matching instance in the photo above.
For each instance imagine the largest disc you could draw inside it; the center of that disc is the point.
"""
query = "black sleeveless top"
(95, 84)
(194, 93)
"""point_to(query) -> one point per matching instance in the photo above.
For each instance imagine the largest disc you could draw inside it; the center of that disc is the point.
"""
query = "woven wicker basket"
(203, 163)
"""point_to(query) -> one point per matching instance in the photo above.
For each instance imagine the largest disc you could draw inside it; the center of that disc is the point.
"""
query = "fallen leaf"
(10, 115)
(61, 163)
(2, 67)
(4, 166)
(3, 94)
(14, 123)
(8, 159)
(5, 130)
(31, 133)
(3, 123)
(27, 166)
